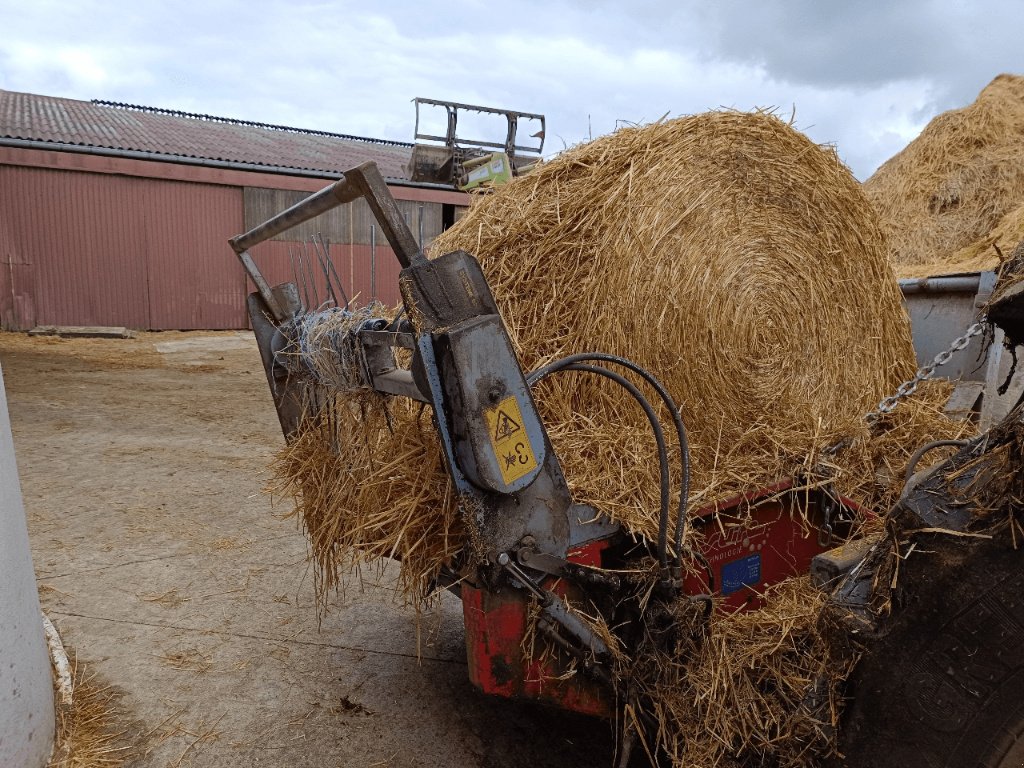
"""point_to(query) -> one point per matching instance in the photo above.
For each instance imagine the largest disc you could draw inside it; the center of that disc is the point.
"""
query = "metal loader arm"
(270, 307)
(464, 366)
(363, 181)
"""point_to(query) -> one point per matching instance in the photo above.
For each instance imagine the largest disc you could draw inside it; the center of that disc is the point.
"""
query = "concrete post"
(26, 684)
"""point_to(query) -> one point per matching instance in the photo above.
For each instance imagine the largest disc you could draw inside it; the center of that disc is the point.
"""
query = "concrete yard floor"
(163, 565)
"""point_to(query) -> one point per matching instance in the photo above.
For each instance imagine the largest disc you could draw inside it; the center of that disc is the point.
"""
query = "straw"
(957, 190)
(724, 252)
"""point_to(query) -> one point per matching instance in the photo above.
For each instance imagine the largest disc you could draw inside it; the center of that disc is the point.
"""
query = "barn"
(119, 215)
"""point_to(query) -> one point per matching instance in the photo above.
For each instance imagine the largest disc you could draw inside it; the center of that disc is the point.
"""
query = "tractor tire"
(942, 685)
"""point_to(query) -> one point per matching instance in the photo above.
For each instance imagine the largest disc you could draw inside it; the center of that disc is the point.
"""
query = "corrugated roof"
(49, 119)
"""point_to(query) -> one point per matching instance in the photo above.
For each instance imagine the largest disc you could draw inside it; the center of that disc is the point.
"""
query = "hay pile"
(761, 688)
(957, 188)
(727, 254)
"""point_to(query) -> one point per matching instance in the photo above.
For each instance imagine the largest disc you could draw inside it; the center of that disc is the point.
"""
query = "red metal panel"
(496, 627)
(83, 251)
(9, 318)
(387, 269)
(44, 158)
(81, 248)
(760, 538)
(110, 250)
(195, 280)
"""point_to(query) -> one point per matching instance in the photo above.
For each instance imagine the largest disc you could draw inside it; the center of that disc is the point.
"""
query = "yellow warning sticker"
(508, 438)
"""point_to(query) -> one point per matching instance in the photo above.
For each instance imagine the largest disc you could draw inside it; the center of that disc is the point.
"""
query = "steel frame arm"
(363, 181)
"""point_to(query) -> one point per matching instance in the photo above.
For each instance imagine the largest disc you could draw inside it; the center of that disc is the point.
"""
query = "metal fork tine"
(323, 268)
(293, 257)
(312, 276)
(337, 279)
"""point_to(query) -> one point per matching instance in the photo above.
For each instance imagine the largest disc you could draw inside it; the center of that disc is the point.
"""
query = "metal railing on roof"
(248, 123)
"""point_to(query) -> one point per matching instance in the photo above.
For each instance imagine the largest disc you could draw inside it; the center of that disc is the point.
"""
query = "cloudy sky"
(866, 76)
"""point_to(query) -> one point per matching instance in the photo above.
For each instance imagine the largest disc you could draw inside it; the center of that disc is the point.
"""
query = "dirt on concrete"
(163, 564)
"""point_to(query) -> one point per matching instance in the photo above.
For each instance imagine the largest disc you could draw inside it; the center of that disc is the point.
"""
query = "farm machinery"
(468, 163)
(939, 674)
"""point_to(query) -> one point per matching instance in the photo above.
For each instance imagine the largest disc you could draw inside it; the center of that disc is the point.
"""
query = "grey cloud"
(865, 75)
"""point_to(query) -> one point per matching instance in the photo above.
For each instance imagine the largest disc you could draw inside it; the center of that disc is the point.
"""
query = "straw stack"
(725, 253)
(952, 192)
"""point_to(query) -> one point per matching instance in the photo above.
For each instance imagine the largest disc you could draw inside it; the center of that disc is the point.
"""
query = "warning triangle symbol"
(505, 426)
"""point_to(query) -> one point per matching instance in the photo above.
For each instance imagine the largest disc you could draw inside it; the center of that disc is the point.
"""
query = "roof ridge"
(249, 123)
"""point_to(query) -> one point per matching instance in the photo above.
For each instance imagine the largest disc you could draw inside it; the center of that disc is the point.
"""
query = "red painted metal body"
(496, 627)
(750, 543)
(759, 539)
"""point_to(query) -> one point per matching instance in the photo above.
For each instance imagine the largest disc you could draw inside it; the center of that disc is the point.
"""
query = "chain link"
(907, 388)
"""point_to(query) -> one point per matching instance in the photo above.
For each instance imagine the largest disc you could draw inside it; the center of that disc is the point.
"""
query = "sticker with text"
(508, 438)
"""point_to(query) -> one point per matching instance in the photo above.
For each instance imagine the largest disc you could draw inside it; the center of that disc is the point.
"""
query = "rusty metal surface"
(144, 129)
(97, 250)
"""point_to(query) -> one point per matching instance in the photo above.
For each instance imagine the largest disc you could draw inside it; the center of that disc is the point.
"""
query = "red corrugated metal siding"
(123, 166)
(9, 261)
(83, 254)
(387, 268)
(100, 248)
(195, 280)
(110, 250)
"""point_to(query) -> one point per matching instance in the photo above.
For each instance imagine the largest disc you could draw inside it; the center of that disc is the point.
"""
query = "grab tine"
(312, 277)
(298, 274)
(323, 268)
(341, 286)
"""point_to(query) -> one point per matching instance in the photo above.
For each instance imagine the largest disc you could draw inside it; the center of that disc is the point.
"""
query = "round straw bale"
(727, 254)
(942, 197)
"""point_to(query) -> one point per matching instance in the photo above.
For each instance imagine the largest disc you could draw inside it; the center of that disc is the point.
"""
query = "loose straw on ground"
(90, 733)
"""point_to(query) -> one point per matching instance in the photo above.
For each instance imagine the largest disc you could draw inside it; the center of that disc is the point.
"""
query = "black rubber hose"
(659, 438)
(920, 452)
(684, 447)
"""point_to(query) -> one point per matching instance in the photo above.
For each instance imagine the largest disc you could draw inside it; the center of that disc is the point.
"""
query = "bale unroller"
(743, 266)
(726, 253)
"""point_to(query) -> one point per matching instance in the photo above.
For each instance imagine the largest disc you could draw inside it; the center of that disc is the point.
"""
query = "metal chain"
(907, 388)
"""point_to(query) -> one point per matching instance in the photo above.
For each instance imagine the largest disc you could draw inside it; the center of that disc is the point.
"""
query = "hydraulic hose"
(684, 449)
(663, 449)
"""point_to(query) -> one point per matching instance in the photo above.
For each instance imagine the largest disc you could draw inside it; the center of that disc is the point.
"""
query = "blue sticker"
(741, 573)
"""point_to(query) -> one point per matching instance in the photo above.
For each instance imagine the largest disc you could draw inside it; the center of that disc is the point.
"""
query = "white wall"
(26, 687)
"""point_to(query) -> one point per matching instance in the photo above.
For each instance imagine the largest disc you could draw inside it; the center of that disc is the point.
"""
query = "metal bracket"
(555, 609)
